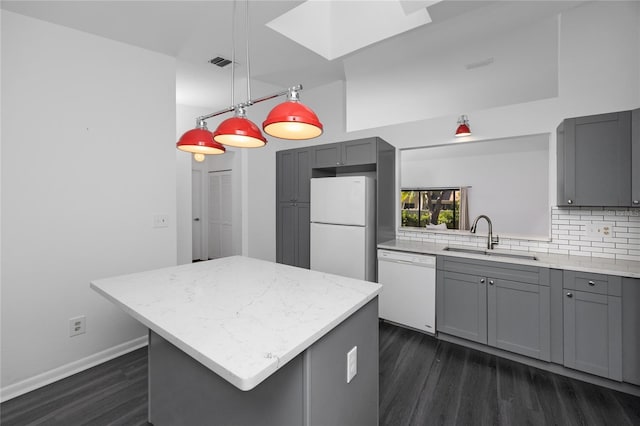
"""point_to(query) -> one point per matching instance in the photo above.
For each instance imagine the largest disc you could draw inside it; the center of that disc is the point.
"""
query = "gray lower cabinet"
(593, 323)
(293, 232)
(505, 306)
(518, 317)
(631, 330)
(462, 305)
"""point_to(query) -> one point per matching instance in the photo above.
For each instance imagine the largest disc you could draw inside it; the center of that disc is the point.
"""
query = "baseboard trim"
(48, 377)
(544, 365)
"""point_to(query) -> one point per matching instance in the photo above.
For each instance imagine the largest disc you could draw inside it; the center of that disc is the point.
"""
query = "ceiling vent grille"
(220, 61)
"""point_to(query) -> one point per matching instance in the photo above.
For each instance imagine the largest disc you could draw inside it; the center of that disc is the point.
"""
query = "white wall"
(88, 156)
(441, 79)
(597, 72)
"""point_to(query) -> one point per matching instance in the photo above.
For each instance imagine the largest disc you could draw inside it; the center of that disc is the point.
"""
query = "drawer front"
(593, 283)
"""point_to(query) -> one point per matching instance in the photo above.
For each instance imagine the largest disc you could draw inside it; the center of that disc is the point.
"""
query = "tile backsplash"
(576, 231)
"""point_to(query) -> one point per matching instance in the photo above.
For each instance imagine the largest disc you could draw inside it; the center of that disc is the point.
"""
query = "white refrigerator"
(343, 226)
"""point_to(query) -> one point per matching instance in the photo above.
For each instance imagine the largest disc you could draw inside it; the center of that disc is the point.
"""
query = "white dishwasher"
(408, 295)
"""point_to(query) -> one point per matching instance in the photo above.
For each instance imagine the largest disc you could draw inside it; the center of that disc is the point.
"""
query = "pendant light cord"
(248, 56)
(233, 54)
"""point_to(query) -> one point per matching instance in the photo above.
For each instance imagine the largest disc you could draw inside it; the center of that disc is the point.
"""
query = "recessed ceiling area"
(334, 28)
(195, 31)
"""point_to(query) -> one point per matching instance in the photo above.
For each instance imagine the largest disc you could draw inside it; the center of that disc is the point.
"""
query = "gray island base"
(311, 389)
(242, 341)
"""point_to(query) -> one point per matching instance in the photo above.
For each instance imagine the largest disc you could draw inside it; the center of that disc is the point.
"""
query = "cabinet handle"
(569, 294)
(490, 282)
(481, 280)
(636, 201)
(569, 201)
(591, 283)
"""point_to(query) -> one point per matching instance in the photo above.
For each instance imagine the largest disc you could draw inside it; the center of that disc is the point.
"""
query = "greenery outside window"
(439, 207)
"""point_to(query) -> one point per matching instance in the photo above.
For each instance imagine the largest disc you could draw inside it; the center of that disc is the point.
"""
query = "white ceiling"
(196, 31)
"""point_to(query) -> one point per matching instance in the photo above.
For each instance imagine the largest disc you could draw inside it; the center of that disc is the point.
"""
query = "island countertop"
(242, 318)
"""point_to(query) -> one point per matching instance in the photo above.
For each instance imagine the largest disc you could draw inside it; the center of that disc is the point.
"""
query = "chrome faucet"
(491, 240)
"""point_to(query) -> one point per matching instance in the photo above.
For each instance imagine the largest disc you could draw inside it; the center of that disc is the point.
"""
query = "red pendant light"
(292, 120)
(239, 131)
(463, 126)
(200, 141)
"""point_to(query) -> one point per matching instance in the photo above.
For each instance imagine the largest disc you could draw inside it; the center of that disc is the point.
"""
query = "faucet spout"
(491, 241)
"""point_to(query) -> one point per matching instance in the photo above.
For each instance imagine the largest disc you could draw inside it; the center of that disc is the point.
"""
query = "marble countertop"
(242, 318)
(625, 268)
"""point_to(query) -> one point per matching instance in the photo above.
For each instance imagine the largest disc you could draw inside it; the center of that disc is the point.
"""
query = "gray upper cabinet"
(593, 324)
(505, 306)
(350, 153)
(635, 158)
(594, 159)
(294, 171)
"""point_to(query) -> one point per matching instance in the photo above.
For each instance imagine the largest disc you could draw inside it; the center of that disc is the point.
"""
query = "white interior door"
(220, 223)
(196, 212)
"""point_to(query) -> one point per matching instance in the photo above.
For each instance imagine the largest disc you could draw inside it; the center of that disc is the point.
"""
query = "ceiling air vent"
(220, 61)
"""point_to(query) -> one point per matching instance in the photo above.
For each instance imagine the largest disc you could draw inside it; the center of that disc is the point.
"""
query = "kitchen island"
(245, 341)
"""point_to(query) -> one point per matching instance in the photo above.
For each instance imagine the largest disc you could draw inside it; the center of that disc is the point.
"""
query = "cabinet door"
(462, 305)
(635, 158)
(593, 333)
(285, 170)
(326, 155)
(631, 330)
(292, 228)
(302, 175)
(518, 317)
(302, 246)
(361, 151)
(293, 170)
(595, 162)
(286, 233)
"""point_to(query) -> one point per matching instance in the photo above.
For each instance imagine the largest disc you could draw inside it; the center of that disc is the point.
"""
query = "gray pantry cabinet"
(593, 323)
(502, 305)
(293, 171)
(294, 168)
(598, 160)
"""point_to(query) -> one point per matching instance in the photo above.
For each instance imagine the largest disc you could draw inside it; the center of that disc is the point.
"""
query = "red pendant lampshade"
(292, 120)
(463, 126)
(239, 131)
(200, 141)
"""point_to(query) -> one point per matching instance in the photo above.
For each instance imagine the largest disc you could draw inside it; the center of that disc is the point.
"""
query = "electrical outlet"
(77, 325)
(352, 364)
(160, 220)
(600, 229)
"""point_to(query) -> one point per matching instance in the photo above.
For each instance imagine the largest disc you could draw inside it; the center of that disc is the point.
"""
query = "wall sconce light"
(463, 126)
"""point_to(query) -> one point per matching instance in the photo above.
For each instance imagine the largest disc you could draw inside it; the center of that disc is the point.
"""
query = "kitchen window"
(431, 208)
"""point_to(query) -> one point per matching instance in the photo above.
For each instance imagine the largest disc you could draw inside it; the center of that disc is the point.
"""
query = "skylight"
(334, 28)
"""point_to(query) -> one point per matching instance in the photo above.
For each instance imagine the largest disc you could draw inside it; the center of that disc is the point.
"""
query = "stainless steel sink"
(485, 252)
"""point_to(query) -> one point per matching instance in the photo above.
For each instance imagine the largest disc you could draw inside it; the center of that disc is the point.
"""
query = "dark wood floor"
(423, 381)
